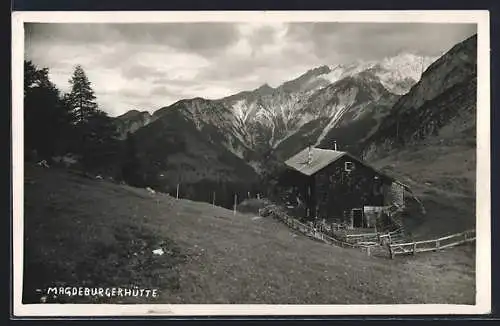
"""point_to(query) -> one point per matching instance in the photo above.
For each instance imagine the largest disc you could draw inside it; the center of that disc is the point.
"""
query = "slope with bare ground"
(84, 232)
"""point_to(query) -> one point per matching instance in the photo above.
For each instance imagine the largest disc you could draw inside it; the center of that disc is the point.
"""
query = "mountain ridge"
(276, 122)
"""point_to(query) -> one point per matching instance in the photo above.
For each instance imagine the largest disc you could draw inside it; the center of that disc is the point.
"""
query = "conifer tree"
(81, 98)
(95, 133)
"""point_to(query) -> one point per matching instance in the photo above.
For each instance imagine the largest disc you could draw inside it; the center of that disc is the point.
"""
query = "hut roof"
(320, 158)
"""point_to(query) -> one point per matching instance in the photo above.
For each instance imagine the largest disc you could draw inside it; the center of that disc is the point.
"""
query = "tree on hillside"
(95, 137)
(47, 120)
(131, 168)
(81, 98)
(34, 77)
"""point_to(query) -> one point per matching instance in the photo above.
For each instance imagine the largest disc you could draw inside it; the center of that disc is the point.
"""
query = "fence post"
(368, 250)
(177, 192)
(235, 200)
(391, 253)
(437, 245)
(414, 248)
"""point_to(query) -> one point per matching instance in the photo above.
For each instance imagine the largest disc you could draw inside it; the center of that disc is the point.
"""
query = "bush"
(252, 205)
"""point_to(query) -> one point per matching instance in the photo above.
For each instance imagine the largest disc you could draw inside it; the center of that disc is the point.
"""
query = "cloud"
(140, 71)
(207, 38)
(375, 41)
(147, 66)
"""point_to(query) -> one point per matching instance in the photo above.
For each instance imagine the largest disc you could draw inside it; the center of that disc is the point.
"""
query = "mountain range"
(367, 107)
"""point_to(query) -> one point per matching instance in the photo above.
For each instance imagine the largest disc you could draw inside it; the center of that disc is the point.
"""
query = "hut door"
(357, 217)
(378, 192)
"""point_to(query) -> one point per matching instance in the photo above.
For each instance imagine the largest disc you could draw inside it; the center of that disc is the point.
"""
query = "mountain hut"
(335, 185)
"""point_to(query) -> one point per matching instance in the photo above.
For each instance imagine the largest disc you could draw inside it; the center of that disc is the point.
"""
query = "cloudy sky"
(148, 66)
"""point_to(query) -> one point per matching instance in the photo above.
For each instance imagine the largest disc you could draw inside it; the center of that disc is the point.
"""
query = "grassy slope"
(443, 178)
(85, 232)
(441, 170)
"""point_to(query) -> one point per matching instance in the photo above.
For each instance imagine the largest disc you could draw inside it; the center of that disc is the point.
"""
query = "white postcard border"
(483, 190)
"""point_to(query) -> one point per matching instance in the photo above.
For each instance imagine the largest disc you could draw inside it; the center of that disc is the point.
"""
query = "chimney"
(309, 155)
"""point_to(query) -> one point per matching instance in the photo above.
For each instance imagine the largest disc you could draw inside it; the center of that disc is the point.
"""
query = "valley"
(407, 115)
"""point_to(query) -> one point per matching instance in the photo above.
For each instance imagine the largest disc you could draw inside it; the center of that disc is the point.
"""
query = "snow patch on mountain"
(265, 117)
(338, 72)
(398, 74)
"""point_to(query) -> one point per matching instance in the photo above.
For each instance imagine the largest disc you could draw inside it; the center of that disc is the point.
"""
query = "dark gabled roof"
(321, 158)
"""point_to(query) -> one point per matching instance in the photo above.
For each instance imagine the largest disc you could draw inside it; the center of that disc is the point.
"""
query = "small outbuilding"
(331, 184)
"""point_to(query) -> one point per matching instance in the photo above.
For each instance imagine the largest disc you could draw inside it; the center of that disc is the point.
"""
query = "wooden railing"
(362, 237)
(388, 237)
(369, 242)
(316, 234)
(411, 248)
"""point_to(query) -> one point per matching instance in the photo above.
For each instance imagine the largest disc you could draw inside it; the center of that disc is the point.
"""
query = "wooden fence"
(411, 248)
(388, 237)
(362, 237)
(373, 242)
(316, 234)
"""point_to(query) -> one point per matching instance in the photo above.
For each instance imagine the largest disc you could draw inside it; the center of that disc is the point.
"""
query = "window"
(349, 166)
